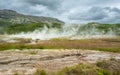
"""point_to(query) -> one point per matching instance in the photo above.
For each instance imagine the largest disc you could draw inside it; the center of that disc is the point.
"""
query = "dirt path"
(27, 61)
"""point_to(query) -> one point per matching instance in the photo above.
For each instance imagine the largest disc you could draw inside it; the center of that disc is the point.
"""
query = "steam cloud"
(67, 31)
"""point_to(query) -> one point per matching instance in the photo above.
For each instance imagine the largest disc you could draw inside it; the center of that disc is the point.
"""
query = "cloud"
(94, 13)
(98, 14)
(68, 10)
(53, 5)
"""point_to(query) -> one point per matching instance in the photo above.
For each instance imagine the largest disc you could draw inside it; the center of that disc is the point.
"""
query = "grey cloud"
(95, 13)
(32, 7)
(98, 14)
(68, 10)
(51, 4)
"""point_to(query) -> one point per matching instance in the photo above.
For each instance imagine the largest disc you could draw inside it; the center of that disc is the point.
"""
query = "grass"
(40, 72)
(105, 67)
(84, 69)
(112, 65)
(109, 45)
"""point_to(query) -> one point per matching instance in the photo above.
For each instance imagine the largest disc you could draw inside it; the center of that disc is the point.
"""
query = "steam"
(67, 31)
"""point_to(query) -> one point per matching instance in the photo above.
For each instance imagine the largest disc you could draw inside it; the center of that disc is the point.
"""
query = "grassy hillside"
(87, 29)
(98, 28)
(18, 28)
(14, 22)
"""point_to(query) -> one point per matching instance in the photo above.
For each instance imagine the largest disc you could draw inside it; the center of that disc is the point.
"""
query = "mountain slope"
(9, 17)
(12, 22)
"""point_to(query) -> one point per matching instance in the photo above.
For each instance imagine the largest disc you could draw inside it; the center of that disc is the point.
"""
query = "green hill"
(12, 22)
(99, 28)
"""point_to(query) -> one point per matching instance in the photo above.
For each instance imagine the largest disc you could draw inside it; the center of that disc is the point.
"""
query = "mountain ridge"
(13, 17)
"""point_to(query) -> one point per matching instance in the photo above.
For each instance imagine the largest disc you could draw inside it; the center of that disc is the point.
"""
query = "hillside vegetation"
(14, 22)
(87, 29)
(30, 27)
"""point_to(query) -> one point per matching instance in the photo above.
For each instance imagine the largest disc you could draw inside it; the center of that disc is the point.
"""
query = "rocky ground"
(27, 61)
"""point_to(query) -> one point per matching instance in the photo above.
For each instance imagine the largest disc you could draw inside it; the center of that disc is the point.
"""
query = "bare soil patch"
(27, 61)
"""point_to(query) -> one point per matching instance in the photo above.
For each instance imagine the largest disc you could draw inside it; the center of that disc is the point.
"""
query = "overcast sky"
(70, 11)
